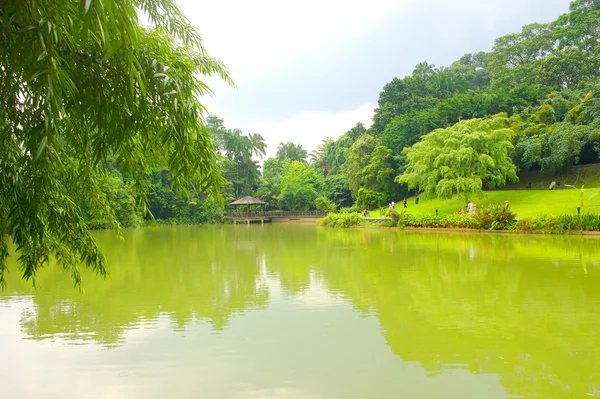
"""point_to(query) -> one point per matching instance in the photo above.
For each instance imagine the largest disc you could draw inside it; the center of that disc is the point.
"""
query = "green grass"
(525, 203)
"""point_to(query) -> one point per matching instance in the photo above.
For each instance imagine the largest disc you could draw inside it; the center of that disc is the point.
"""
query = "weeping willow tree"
(461, 159)
(82, 82)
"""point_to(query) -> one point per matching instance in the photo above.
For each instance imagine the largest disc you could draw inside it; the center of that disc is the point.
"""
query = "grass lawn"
(525, 203)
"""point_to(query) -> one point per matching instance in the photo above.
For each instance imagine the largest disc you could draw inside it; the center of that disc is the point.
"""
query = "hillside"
(575, 175)
(538, 200)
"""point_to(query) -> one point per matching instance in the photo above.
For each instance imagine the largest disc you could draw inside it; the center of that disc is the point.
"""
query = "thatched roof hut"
(248, 201)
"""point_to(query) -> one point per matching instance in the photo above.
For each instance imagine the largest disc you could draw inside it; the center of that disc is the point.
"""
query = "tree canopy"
(462, 158)
(84, 83)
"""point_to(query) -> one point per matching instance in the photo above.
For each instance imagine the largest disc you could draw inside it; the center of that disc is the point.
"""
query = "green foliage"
(494, 217)
(432, 221)
(350, 209)
(461, 159)
(369, 167)
(378, 175)
(324, 204)
(559, 224)
(370, 199)
(82, 82)
(202, 210)
(519, 73)
(342, 220)
(299, 186)
(120, 197)
(358, 158)
(394, 215)
(291, 151)
(556, 134)
(335, 187)
(238, 166)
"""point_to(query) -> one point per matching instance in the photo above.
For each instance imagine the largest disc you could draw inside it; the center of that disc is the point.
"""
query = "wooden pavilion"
(248, 201)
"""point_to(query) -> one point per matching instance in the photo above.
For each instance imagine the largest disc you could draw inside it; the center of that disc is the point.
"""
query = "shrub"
(395, 215)
(495, 217)
(352, 209)
(342, 219)
(560, 224)
(525, 225)
(447, 221)
(589, 222)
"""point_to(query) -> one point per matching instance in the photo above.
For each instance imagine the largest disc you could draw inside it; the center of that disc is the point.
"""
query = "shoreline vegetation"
(491, 218)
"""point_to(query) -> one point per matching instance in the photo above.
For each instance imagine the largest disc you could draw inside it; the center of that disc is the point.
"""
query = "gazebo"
(248, 201)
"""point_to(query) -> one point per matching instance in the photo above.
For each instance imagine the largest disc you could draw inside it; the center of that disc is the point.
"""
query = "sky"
(311, 69)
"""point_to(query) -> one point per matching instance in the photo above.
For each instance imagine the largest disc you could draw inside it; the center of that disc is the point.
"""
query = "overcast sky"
(306, 70)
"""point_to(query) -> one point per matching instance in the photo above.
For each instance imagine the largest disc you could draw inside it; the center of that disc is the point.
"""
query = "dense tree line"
(531, 103)
(542, 84)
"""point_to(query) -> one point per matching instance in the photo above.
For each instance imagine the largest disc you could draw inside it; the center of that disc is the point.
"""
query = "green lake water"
(295, 311)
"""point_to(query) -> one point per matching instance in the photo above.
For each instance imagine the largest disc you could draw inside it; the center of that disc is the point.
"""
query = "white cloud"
(310, 128)
(255, 37)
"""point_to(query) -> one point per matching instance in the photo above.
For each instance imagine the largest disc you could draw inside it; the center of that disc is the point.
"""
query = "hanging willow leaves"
(82, 82)
(461, 159)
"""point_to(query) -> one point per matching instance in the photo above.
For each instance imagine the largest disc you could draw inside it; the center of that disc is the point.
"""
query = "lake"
(296, 311)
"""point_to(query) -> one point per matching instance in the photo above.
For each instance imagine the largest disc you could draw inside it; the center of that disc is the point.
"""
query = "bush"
(447, 221)
(559, 224)
(589, 222)
(495, 217)
(395, 215)
(352, 209)
(342, 219)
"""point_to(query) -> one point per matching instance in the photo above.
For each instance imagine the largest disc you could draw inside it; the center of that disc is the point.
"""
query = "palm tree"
(258, 145)
(292, 151)
(448, 82)
(423, 70)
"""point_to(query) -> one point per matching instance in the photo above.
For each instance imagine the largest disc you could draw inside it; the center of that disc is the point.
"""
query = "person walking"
(506, 206)
(404, 202)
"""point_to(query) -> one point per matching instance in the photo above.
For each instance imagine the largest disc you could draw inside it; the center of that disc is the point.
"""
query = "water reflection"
(524, 308)
(152, 272)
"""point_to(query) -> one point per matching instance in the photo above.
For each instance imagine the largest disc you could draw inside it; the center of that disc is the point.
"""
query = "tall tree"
(580, 27)
(239, 167)
(299, 185)
(291, 151)
(257, 144)
(423, 70)
(359, 157)
(81, 82)
(462, 158)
